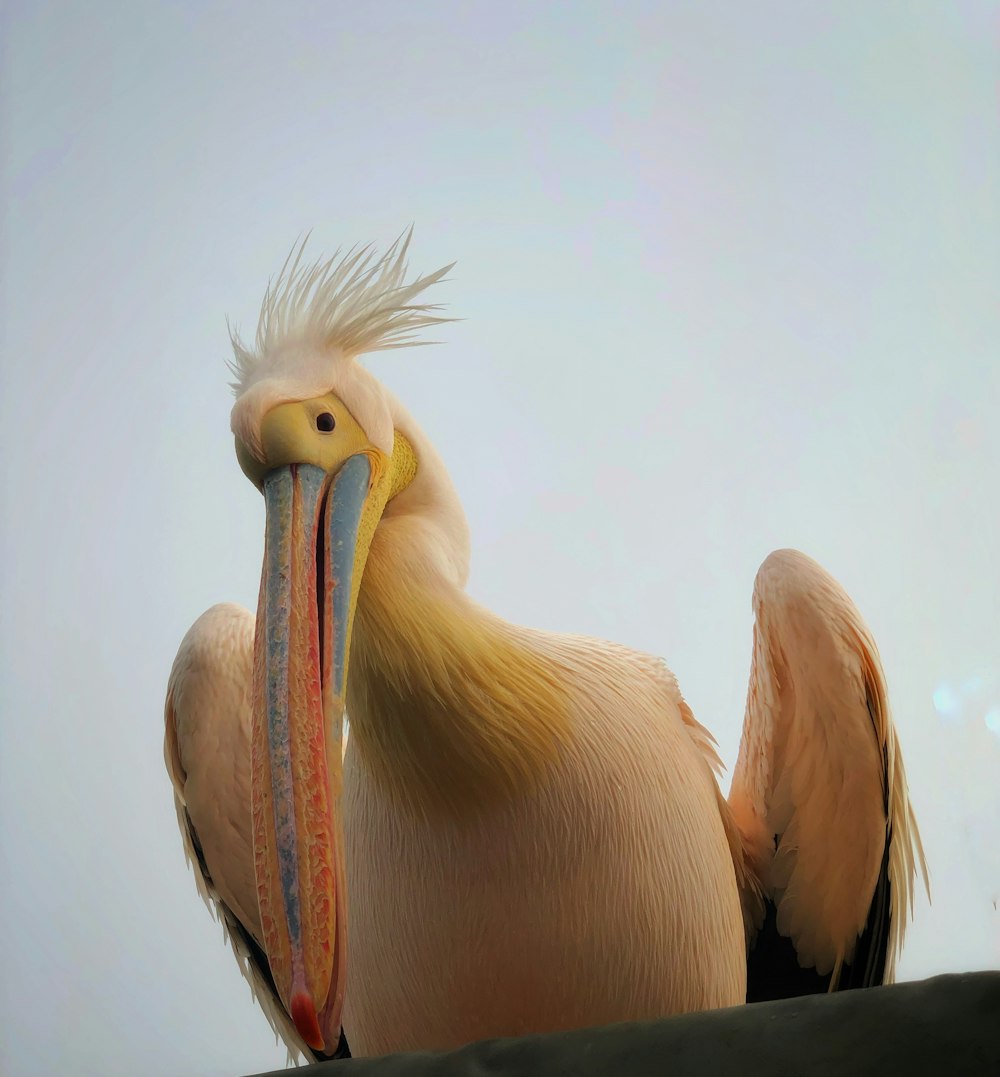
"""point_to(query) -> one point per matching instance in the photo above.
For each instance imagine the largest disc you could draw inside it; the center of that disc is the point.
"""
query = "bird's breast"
(606, 894)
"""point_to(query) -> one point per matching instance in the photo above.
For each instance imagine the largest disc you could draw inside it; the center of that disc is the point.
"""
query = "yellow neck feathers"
(451, 708)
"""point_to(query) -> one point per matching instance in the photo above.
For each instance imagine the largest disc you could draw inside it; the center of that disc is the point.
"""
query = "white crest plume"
(344, 306)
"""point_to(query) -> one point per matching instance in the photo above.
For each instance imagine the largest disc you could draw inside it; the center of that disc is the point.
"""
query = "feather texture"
(206, 749)
(352, 304)
(819, 791)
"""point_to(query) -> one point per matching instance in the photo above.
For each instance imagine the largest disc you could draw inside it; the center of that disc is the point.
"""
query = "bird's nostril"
(325, 422)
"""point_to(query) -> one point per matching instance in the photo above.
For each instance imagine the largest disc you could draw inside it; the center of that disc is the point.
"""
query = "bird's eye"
(325, 422)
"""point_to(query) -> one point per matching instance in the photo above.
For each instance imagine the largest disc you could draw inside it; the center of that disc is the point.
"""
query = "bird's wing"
(819, 792)
(207, 753)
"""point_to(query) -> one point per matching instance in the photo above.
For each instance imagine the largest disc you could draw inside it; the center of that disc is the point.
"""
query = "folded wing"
(819, 792)
(207, 752)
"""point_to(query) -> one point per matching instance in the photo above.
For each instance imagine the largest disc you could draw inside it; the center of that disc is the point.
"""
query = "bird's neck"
(449, 705)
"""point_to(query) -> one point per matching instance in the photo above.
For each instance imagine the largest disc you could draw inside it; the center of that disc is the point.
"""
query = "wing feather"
(819, 792)
(206, 750)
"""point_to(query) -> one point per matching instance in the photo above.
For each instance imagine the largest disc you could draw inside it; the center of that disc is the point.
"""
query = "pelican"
(523, 831)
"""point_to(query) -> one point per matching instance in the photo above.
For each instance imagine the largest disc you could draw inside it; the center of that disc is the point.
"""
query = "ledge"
(945, 1025)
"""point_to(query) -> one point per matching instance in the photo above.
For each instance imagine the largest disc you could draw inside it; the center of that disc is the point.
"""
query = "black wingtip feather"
(773, 969)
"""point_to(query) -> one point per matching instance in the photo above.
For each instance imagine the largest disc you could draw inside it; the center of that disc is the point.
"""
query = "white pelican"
(525, 833)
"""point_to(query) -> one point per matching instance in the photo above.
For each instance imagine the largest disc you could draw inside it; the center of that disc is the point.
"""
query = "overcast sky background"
(730, 275)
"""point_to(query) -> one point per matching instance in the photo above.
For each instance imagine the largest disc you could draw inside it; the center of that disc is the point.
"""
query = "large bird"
(525, 832)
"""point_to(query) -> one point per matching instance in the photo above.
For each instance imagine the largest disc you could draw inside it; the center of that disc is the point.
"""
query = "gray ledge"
(947, 1026)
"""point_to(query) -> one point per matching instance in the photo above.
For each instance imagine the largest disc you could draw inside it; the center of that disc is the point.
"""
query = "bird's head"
(328, 447)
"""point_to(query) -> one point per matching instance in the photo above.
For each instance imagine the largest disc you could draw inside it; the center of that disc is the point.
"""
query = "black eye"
(325, 422)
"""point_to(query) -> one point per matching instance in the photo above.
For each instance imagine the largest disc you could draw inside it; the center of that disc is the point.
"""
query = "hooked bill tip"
(304, 1016)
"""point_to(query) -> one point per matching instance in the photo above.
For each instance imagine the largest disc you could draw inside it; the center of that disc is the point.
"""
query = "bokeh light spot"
(992, 720)
(947, 702)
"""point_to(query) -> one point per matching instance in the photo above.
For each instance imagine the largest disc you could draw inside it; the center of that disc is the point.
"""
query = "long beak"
(301, 649)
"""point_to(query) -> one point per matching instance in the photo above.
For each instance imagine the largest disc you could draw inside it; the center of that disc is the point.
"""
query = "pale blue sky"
(729, 273)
